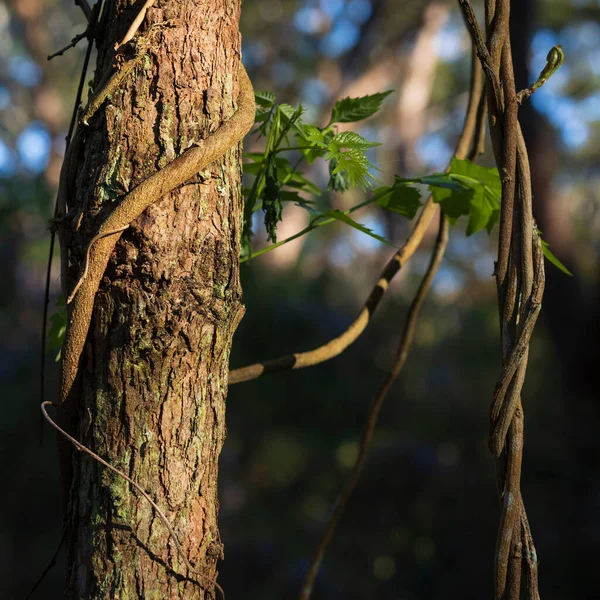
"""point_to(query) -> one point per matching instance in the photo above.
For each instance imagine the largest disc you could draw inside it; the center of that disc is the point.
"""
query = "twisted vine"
(520, 286)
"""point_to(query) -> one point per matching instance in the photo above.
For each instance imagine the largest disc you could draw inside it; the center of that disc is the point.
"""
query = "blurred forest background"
(422, 523)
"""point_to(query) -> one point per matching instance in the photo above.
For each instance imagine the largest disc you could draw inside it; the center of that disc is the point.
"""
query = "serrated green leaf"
(271, 201)
(349, 110)
(340, 216)
(265, 101)
(315, 135)
(338, 180)
(552, 259)
(292, 117)
(264, 98)
(356, 164)
(401, 199)
(351, 140)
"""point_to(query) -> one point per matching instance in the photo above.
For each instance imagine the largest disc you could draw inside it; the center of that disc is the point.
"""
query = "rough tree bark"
(156, 361)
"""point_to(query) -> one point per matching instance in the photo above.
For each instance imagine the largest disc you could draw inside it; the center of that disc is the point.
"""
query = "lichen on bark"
(154, 380)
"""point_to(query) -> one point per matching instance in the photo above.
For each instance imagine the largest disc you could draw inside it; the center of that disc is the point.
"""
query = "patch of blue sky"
(575, 133)
(8, 164)
(448, 280)
(566, 114)
(433, 150)
(332, 8)
(449, 43)
(580, 37)
(542, 41)
(342, 37)
(24, 70)
(4, 97)
(484, 264)
(590, 106)
(314, 91)
(593, 60)
(341, 252)
(33, 146)
(309, 20)
(359, 11)
(362, 241)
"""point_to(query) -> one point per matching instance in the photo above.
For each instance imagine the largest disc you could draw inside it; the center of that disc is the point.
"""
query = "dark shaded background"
(422, 523)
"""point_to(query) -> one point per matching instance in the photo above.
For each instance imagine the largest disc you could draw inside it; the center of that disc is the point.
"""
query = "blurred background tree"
(423, 520)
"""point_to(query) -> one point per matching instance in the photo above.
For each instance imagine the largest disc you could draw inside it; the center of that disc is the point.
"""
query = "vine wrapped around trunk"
(151, 398)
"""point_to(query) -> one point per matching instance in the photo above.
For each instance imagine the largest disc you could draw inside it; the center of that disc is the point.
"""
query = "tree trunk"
(154, 380)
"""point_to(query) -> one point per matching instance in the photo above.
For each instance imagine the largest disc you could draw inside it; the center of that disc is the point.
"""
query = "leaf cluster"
(277, 179)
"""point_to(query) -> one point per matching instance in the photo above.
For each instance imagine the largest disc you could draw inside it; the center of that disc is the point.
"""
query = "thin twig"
(140, 489)
(466, 145)
(139, 18)
(85, 7)
(68, 138)
(71, 44)
(49, 566)
(375, 408)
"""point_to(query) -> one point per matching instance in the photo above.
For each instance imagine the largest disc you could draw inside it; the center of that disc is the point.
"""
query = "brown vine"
(468, 145)
(520, 286)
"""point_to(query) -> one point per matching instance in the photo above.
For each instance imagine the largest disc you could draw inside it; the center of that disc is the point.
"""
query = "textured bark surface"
(156, 361)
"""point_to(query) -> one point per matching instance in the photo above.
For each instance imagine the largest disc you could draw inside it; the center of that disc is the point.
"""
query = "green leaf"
(351, 140)
(271, 201)
(454, 204)
(246, 249)
(552, 259)
(475, 173)
(292, 118)
(439, 180)
(253, 168)
(484, 210)
(349, 110)
(356, 164)
(467, 189)
(340, 216)
(400, 199)
(315, 136)
(264, 99)
(58, 328)
(265, 103)
(338, 180)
